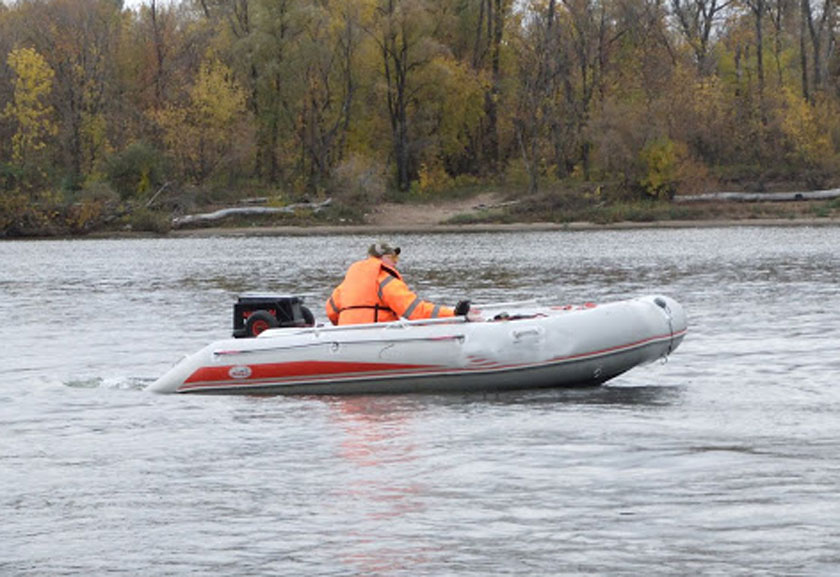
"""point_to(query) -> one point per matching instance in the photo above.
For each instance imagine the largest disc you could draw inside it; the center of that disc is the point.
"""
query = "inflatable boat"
(521, 347)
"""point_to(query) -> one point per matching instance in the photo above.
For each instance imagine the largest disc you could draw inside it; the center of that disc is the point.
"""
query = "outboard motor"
(252, 314)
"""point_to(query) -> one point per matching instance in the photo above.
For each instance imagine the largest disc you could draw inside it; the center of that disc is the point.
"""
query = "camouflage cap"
(382, 248)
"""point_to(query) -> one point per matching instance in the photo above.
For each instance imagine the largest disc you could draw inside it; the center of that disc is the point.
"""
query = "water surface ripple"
(723, 461)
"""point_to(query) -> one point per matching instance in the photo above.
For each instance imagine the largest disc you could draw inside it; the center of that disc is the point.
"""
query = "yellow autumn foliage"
(29, 108)
(807, 137)
(200, 130)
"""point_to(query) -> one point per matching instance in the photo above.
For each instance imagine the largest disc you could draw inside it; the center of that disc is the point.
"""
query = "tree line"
(185, 102)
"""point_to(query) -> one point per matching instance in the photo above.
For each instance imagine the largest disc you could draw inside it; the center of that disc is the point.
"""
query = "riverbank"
(491, 212)
(373, 230)
(488, 212)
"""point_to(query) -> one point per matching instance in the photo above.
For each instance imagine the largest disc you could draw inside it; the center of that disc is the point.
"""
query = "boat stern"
(173, 379)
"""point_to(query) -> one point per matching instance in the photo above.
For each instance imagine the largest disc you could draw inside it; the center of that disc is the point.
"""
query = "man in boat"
(373, 291)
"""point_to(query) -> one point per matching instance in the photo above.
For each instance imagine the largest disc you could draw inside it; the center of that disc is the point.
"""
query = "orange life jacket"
(374, 292)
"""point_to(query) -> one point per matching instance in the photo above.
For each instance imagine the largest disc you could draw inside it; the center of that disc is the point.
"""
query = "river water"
(723, 461)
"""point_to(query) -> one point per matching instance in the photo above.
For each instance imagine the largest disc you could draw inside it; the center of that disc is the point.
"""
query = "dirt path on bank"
(390, 214)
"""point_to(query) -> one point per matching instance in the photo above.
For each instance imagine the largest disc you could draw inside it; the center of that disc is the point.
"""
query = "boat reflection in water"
(374, 437)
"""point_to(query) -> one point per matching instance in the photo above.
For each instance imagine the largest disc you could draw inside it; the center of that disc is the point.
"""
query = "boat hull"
(533, 348)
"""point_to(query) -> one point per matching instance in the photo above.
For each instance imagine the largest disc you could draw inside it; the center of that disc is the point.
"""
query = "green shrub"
(10, 177)
(89, 208)
(145, 220)
(137, 171)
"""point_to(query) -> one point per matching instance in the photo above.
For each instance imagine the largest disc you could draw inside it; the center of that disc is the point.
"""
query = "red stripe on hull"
(294, 369)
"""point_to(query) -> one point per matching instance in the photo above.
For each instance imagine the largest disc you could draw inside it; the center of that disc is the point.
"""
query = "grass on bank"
(100, 214)
(556, 206)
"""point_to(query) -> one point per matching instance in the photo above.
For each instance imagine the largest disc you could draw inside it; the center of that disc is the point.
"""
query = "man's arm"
(404, 302)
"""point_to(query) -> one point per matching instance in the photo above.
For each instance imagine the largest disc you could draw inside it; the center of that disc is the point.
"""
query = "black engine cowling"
(252, 314)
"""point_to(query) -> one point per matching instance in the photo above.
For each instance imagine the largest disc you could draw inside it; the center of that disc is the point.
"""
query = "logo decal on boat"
(240, 372)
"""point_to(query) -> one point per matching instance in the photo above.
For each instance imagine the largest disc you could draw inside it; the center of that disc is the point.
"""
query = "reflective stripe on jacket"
(374, 292)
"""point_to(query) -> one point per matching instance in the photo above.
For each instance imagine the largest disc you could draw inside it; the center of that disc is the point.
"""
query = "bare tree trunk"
(349, 89)
(403, 157)
(395, 60)
(530, 147)
(805, 8)
(205, 8)
(478, 48)
(820, 31)
(779, 8)
(492, 97)
(157, 38)
(759, 9)
(273, 139)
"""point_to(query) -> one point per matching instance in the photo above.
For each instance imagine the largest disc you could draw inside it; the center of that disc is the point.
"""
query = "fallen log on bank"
(247, 210)
(760, 196)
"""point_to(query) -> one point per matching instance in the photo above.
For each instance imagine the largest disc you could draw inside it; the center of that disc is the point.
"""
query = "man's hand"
(462, 308)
